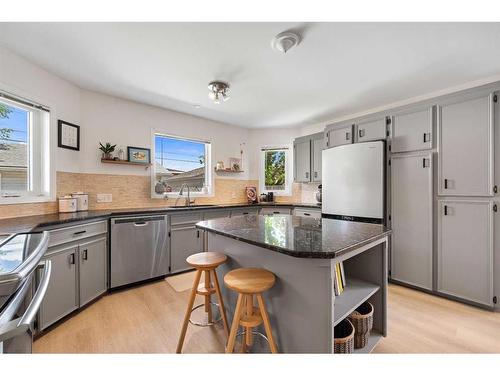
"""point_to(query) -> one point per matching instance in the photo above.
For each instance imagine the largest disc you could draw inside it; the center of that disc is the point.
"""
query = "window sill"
(25, 200)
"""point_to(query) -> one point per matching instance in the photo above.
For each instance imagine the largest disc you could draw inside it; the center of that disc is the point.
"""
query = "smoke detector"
(283, 42)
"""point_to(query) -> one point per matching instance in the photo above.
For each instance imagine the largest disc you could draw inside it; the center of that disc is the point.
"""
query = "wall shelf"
(125, 162)
(226, 171)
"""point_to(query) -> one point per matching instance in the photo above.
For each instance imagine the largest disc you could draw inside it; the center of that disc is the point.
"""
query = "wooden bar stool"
(249, 282)
(206, 263)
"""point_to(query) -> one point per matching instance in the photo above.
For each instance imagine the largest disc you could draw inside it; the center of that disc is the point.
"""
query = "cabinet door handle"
(80, 232)
(424, 163)
(85, 255)
(307, 175)
(445, 210)
(315, 174)
(198, 233)
(446, 183)
(306, 214)
(427, 137)
(72, 258)
(361, 133)
(245, 213)
(347, 136)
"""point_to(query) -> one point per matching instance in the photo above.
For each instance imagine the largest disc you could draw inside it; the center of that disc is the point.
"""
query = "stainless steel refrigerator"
(354, 182)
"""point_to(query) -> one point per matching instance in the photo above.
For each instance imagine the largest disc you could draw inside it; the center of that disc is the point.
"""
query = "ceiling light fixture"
(219, 91)
(283, 42)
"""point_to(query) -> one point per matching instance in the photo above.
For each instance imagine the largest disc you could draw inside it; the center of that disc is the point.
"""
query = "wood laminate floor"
(147, 319)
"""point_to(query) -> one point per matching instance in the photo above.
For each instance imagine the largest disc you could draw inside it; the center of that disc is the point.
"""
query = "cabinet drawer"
(275, 210)
(250, 211)
(76, 232)
(316, 214)
(186, 218)
(215, 214)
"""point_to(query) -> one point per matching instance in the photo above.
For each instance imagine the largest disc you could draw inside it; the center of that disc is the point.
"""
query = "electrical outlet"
(104, 198)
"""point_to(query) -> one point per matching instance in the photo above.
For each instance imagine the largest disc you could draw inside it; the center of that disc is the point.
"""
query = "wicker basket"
(343, 342)
(362, 320)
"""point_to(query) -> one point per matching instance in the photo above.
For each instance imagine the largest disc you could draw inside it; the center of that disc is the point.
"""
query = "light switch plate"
(104, 198)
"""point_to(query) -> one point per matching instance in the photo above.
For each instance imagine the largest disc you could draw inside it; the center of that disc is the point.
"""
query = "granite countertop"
(32, 223)
(301, 237)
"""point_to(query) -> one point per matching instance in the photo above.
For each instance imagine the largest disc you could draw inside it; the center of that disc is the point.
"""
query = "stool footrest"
(251, 321)
(204, 324)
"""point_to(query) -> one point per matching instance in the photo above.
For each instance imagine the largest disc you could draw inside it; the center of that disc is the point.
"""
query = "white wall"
(21, 77)
(126, 123)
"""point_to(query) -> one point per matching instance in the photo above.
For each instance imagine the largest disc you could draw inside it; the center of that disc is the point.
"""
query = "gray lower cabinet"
(93, 267)
(185, 240)
(275, 211)
(465, 249)
(215, 214)
(308, 212)
(61, 297)
(411, 218)
(244, 211)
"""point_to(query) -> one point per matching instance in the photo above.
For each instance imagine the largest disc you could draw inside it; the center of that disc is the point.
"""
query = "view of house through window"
(180, 161)
(274, 170)
(14, 148)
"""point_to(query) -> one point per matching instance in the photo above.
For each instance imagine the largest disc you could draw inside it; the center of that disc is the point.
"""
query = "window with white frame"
(24, 151)
(181, 162)
(274, 172)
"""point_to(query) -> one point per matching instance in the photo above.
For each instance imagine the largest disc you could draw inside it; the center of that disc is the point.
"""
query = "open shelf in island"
(373, 340)
(355, 293)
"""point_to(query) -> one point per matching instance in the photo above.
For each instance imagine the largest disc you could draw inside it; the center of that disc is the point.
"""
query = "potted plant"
(107, 150)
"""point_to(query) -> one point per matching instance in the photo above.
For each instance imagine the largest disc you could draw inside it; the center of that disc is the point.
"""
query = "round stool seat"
(208, 259)
(249, 280)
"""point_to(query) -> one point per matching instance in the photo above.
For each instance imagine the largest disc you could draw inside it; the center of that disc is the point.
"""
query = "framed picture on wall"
(139, 155)
(68, 135)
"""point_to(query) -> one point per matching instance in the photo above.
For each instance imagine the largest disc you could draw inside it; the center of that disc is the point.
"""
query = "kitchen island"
(302, 253)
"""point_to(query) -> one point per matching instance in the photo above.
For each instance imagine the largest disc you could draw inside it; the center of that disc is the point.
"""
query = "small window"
(181, 162)
(274, 175)
(24, 152)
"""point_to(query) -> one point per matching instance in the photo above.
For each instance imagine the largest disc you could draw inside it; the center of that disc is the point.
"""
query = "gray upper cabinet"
(302, 158)
(465, 249)
(185, 240)
(411, 205)
(465, 147)
(61, 297)
(317, 145)
(93, 267)
(412, 130)
(307, 157)
(371, 130)
(338, 136)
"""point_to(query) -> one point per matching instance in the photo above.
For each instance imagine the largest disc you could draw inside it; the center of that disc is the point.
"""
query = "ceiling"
(337, 69)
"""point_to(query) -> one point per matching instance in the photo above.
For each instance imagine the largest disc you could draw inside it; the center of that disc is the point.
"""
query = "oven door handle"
(20, 325)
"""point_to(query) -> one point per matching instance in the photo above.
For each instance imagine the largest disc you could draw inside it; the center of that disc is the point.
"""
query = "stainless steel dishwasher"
(139, 249)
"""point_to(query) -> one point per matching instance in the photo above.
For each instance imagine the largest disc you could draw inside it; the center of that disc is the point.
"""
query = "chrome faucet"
(188, 200)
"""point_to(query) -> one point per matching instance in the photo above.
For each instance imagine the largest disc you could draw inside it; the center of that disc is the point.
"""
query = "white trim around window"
(40, 159)
(288, 171)
(209, 178)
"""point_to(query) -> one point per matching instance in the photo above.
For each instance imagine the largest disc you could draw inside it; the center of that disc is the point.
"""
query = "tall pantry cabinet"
(442, 197)
(466, 207)
(412, 197)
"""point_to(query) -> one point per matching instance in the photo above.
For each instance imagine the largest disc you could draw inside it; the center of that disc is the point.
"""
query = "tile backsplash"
(129, 191)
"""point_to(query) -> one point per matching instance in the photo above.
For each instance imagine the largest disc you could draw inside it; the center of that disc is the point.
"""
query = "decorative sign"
(68, 135)
(139, 155)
